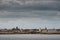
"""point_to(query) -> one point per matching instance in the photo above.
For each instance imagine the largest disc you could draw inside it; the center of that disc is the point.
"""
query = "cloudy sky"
(30, 13)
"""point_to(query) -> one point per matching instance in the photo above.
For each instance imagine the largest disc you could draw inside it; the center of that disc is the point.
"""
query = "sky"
(29, 14)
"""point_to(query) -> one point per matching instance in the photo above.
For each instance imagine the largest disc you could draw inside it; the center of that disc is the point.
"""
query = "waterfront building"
(44, 30)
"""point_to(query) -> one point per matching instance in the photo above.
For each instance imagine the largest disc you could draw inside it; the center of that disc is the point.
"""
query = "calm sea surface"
(29, 37)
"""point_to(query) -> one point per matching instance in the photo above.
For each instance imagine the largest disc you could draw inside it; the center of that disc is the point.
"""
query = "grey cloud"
(48, 15)
(35, 7)
(31, 5)
(25, 9)
(13, 12)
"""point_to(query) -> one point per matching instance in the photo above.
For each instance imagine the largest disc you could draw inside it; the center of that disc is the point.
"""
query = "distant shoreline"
(30, 33)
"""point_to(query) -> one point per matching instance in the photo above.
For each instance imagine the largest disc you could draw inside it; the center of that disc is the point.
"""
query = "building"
(44, 30)
(51, 30)
(58, 30)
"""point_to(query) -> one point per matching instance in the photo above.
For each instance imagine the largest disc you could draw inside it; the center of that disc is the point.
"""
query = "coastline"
(30, 33)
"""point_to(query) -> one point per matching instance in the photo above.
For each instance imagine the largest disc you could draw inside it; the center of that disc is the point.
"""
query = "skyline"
(30, 13)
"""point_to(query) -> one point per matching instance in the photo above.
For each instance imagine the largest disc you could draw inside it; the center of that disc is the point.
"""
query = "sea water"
(29, 37)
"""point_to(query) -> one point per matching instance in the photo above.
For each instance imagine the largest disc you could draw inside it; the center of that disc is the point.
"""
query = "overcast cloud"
(30, 13)
(29, 4)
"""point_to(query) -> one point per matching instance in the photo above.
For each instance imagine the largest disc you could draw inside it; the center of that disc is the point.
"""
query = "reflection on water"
(29, 37)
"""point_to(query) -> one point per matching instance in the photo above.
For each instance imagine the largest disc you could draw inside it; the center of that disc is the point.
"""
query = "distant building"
(51, 30)
(30, 30)
(17, 28)
(40, 29)
(58, 30)
(44, 30)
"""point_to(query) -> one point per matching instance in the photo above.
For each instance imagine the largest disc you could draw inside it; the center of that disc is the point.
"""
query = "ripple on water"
(29, 37)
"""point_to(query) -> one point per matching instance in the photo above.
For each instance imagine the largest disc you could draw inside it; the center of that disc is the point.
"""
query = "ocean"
(29, 37)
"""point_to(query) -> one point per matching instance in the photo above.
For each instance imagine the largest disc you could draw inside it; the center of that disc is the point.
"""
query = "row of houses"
(20, 31)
